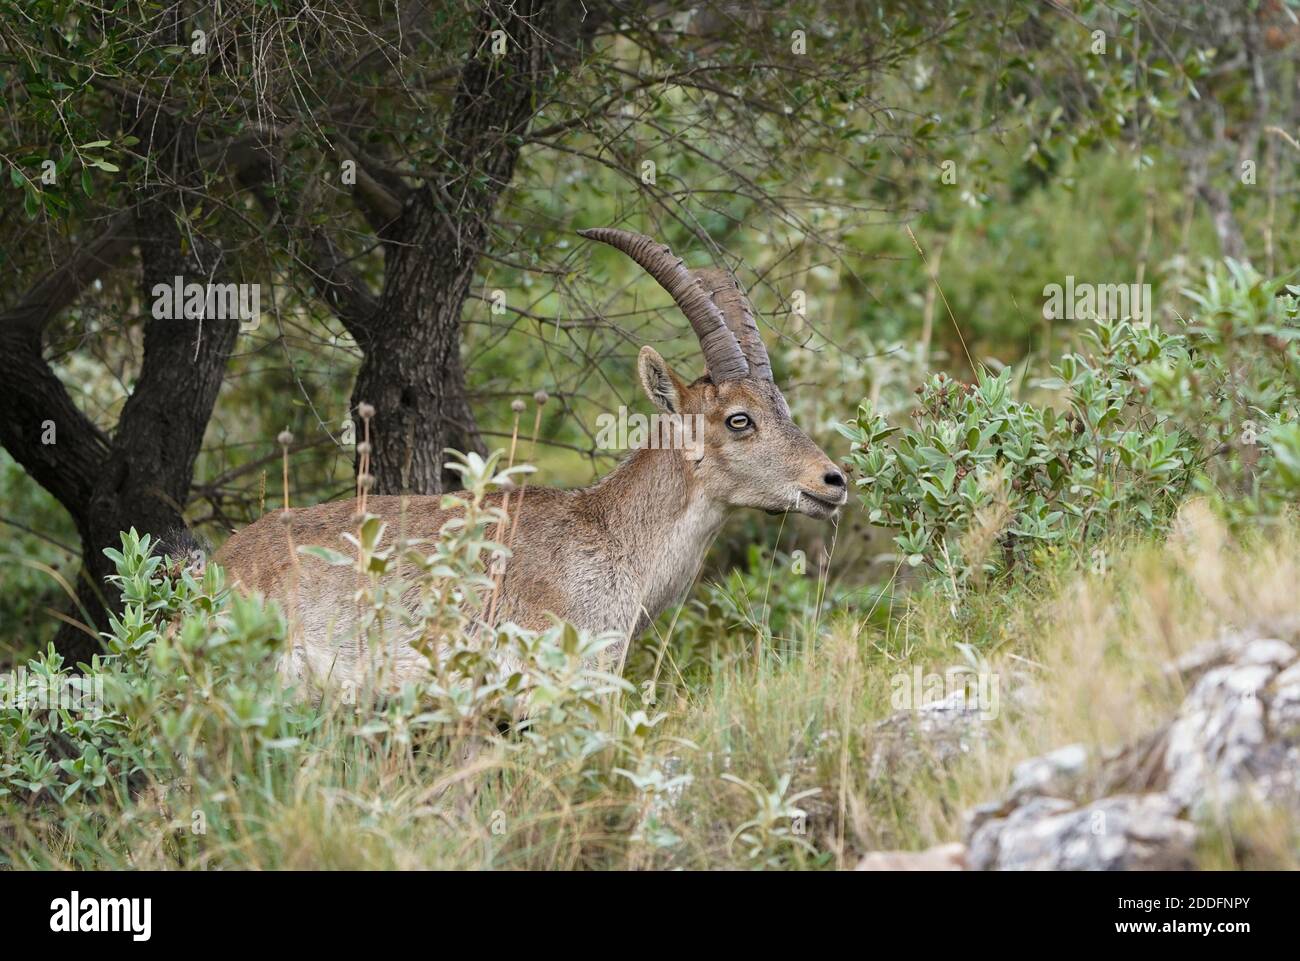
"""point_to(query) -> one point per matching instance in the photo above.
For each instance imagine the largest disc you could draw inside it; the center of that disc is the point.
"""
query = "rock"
(942, 726)
(932, 734)
(944, 857)
(1132, 832)
(1054, 774)
(1237, 734)
(1266, 650)
(1237, 646)
(991, 820)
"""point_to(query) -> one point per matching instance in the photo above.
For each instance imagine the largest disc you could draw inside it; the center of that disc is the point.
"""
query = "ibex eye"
(738, 422)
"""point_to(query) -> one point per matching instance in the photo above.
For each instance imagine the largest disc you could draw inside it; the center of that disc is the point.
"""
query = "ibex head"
(750, 453)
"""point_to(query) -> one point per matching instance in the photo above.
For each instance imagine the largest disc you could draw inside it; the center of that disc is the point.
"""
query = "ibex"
(606, 558)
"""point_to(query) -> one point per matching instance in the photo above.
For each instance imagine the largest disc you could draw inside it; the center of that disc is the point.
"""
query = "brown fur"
(608, 558)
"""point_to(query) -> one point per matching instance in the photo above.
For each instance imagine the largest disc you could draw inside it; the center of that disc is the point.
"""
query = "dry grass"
(1089, 646)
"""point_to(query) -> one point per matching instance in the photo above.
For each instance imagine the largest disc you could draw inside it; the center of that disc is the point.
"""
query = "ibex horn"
(722, 354)
(739, 315)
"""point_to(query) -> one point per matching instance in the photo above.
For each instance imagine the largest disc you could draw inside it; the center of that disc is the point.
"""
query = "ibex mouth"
(812, 505)
(824, 507)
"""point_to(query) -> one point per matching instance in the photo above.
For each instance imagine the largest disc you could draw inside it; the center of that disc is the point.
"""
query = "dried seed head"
(284, 438)
(540, 398)
(517, 406)
(365, 411)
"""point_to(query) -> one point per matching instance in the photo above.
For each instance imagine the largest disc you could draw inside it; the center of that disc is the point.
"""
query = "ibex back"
(608, 558)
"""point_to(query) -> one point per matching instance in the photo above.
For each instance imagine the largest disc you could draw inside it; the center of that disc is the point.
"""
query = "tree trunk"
(411, 372)
(145, 479)
(141, 477)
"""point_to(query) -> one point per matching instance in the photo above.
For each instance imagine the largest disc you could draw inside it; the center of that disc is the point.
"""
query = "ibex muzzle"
(606, 558)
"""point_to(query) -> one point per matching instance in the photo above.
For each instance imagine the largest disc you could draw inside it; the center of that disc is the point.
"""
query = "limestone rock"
(1054, 774)
(933, 734)
(1237, 734)
(1133, 832)
(1235, 737)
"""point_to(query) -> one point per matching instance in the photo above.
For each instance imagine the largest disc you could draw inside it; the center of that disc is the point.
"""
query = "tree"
(401, 184)
(354, 158)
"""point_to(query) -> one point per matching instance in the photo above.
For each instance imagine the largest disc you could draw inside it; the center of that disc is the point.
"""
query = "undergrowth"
(1072, 543)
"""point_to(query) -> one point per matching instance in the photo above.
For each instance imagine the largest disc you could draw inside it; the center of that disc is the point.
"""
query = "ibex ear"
(662, 386)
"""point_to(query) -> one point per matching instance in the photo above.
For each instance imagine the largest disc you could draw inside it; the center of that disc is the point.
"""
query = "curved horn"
(722, 354)
(739, 315)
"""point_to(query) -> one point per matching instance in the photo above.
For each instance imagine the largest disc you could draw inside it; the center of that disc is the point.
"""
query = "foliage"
(188, 695)
(1237, 384)
(769, 763)
(770, 600)
(984, 482)
(742, 734)
(167, 701)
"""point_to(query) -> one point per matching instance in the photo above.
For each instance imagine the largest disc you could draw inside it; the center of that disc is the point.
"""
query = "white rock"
(1129, 832)
(1054, 774)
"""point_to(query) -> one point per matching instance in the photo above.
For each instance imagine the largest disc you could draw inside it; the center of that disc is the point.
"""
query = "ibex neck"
(658, 521)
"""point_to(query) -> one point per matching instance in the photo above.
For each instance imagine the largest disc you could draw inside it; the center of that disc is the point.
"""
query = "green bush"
(1235, 386)
(184, 686)
(187, 705)
(982, 482)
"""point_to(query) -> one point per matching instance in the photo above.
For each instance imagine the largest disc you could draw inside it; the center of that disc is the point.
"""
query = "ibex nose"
(833, 478)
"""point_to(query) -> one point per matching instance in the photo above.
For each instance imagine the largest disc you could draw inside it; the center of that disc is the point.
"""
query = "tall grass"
(765, 760)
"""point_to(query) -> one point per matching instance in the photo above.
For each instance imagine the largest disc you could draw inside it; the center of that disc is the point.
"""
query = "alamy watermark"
(25, 690)
(631, 431)
(75, 914)
(194, 301)
(1086, 301)
(955, 687)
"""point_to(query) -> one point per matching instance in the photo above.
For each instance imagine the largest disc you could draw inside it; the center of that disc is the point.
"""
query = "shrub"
(982, 482)
(183, 686)
(1236, 386)
(187, 701)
